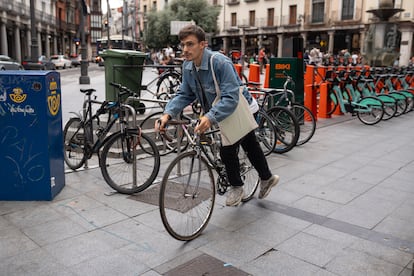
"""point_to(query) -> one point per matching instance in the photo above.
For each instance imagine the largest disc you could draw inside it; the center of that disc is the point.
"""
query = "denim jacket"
(228, 81)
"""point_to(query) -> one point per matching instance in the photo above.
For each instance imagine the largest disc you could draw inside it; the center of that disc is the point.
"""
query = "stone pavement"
(344, 206)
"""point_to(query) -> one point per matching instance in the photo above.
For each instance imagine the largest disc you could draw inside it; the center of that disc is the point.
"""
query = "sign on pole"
(176, 26)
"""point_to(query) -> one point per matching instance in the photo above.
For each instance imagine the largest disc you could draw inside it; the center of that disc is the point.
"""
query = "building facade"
(57, 24)
(331, 26)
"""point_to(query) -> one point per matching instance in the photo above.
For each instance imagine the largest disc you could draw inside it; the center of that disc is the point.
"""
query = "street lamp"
(84, 78)
(34, 47)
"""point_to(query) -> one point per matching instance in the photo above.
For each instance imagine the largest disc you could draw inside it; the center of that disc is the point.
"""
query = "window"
(233, 19)
(252, 18)
(347, 9)
(270, 17)
(292, 14)
(318, 11)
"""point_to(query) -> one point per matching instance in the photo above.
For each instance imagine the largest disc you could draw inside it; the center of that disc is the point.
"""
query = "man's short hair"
(192, 30)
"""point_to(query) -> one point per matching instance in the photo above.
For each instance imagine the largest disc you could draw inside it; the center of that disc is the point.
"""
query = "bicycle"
(122, 153)
(188, 189)
(287, 129)
(306, 119)
(265, 133)
(369, 110)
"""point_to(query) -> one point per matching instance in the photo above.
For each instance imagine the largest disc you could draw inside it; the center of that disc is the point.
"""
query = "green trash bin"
(124, 67)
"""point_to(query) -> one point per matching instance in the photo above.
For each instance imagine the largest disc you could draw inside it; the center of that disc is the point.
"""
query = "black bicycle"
(129, 159)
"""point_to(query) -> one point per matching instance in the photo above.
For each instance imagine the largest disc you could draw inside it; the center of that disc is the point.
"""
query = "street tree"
(157, 34)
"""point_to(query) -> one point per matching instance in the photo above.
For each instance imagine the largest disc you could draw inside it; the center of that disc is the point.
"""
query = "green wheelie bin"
(124, 67)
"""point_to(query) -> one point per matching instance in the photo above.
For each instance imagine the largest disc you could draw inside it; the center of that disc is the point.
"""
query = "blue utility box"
(31, 139)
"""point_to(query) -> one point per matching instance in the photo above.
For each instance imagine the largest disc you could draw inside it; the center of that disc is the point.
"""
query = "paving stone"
(311, 249)
(14, 242)
(332, 235)
(379, 251)
(316, 205)
(396, 227)
(352, 262)
(34, 262)
(334, 194)
(117, 262)
(33, 216)
(53, 231)
(279, 263)
(235, 250)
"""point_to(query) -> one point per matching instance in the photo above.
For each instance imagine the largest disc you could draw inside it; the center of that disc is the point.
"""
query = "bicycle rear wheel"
(117, 164)
(265, 133)
(187, 196)
(287, 128)
(248, 174)
(74, 143)
(370, 110)
(306, 120)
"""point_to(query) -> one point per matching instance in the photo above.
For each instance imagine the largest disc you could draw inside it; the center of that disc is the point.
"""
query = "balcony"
(233, 2)
(248, 1)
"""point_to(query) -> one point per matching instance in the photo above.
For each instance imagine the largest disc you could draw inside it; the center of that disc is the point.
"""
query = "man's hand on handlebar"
(161, 123)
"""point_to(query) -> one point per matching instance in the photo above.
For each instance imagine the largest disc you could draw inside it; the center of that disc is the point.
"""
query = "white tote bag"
(240, 122)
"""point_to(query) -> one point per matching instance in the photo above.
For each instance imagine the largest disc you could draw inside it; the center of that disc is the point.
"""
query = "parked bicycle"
(129, 159)
(188, 189)
(286, 97)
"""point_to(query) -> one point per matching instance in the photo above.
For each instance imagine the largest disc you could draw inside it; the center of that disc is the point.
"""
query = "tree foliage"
(157, 33)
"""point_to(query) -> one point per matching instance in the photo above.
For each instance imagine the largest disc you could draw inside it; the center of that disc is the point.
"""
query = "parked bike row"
(372, 94)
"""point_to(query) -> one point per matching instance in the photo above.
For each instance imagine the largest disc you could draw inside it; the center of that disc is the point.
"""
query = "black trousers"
(255, 154)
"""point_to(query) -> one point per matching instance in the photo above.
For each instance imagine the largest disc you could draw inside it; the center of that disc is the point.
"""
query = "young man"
(197, 61)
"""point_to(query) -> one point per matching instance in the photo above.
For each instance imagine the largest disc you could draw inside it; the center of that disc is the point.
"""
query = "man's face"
(192, 49)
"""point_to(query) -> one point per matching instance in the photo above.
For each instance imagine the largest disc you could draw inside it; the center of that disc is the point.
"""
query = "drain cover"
(207, 266)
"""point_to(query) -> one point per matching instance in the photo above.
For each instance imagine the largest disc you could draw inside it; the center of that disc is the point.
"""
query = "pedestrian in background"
(262, 58)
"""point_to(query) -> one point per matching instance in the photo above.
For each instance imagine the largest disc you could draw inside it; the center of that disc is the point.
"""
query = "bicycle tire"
(306, 120)
(117, 166)
(164, 147)
(184, 215)
(265, 133)
(409, 100)
(248, 174)
(168, 83)
(287, 128)
(390, 106)
(374, 112)
(74, 143)
(401, 102)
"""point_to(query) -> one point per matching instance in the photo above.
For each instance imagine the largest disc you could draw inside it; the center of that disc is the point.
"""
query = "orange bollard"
(267, 77)
(254, 73)
(310, 100)
(309, 75)
(323, 101)
(321, 74)
(238, 68)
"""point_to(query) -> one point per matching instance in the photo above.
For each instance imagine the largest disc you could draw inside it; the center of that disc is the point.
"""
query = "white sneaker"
(235, 196)
(267, 185)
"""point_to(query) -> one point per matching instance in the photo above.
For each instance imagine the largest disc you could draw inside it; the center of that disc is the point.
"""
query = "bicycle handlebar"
(123, 90)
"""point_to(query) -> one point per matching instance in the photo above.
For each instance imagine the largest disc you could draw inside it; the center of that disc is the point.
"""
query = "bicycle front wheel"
(117, 161)
(306, 120)
(74, 143)
(187, 195)
(287, 128)
(248, 174)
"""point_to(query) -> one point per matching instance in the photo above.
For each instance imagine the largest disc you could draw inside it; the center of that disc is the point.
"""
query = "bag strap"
(218, 92)
(204, 102)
